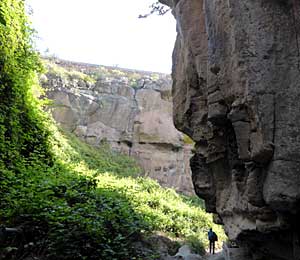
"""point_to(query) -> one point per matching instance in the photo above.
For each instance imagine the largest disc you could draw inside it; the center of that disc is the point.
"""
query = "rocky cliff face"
(130, 110)
(236, 92)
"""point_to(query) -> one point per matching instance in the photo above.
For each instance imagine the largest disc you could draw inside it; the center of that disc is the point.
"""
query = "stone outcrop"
(130, 110)
(236, 92)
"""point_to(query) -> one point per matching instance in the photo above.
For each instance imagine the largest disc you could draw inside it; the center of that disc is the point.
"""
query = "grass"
(135, 79)
(91, 205)
(66, 74)
(67, 200)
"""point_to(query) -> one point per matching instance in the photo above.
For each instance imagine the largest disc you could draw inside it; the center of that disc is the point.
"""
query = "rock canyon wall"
(130, 110)
(236, 90)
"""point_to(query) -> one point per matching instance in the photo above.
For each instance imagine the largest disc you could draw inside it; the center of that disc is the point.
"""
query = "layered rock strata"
(130, 110)
(236, 92)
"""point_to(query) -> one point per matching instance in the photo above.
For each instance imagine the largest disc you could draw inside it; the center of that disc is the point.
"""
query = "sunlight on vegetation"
(66, 74)
(93, 194)
(67, 199)
(134, 78)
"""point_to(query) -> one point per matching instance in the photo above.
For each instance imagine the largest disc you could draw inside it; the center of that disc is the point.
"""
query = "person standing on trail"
(212, 237)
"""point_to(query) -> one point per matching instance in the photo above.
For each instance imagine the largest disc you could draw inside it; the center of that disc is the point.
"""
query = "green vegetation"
(67, 199)
(56, 70)
(83, 207)
(92, 73)
(188, 140)
(115, 72)
(23, 136)
(135, 78)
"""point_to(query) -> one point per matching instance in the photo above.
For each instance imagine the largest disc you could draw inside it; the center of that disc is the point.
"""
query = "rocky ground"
(218, 256)
(185, 253)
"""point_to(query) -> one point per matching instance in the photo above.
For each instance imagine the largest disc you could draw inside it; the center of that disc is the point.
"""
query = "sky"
(106, 32)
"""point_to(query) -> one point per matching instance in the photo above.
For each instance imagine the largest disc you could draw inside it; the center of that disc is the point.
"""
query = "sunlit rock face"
(130, 110)
(236, 92)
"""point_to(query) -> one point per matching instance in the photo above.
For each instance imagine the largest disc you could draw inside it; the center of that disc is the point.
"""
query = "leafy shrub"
(196, 244)
(81, 209)
(22, 132)
(66, 74)
(67, 199)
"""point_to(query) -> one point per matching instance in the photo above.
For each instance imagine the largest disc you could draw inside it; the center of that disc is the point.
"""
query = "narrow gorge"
(78, 141)
(236, 93)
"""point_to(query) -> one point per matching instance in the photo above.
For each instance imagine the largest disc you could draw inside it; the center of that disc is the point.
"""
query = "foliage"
(22, 133)
(156, 8)
(98, 160)
(83, 207)
(66, 74)
(188, 140)
(91, 73)
(69, 200)
(135, 79)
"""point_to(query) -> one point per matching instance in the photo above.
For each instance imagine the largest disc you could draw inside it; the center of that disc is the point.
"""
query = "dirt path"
(218, 256)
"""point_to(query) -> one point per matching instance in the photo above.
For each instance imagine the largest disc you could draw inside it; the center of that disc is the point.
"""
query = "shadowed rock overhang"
(236, 93)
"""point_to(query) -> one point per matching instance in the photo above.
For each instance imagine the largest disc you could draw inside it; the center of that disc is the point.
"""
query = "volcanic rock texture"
(236, 92)
(130, 110)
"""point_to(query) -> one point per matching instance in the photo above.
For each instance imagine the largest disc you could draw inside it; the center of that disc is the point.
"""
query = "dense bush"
(84, 208)
(71, 74)
(68, 200)
(22, 134)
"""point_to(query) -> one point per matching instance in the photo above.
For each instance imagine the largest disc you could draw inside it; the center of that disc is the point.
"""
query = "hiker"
(212, 237)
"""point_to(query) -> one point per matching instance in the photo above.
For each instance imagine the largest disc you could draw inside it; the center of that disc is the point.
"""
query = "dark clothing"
(211, 246)
(212, 237)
